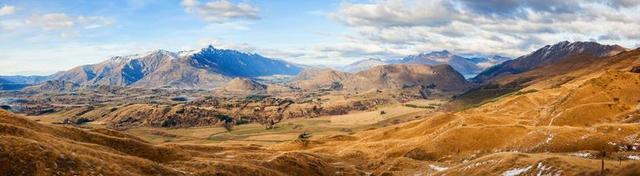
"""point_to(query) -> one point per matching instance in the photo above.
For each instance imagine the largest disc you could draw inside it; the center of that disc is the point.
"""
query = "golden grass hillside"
(589, 113)
(30, 148)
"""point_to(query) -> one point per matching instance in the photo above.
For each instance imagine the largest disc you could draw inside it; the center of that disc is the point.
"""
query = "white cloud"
(394, 13)
(623, 3)
(52, 21)
(58, 21)
(7, 10)
(8, 24)
(221, 11)
(92, 22)
(506, 27)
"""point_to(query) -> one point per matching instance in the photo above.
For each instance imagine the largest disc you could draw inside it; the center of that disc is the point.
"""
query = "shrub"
(169, 123)
(635, 69)
(303, 138)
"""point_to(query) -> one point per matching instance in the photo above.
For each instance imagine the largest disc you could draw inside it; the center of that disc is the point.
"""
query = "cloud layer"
(221, 11)
(506, 27)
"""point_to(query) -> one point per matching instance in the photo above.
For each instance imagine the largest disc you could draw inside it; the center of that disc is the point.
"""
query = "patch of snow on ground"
(584, 137)
(547, 170)
(541, 169)
(549, 138)
(516, 171)
(634, 157)
(438, 168)
(477, 164)
(581, 154)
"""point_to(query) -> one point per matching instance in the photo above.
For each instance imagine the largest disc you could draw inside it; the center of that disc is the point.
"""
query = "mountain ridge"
(205, 68)
(466, 65)
(547, 55)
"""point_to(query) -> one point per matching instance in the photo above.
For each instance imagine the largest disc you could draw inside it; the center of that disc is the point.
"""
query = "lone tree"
(228, 125)
(303, 138)
(336, 85)
(603, 154)
(227, 121)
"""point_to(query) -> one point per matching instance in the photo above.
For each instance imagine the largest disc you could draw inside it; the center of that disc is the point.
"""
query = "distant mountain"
(205, 68)
(399, 76)
(318, 78)
(362, 65)
(119, 70)
(547, 55)
(486, 62)
(392, 76)
(3, 81)
(467, 66)
(19, 82)
(239, 64)
(23, 79)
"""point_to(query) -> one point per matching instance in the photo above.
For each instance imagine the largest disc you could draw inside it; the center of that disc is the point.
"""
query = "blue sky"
(42, 37)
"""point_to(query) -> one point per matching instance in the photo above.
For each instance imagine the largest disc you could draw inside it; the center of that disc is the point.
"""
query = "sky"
(42, 37)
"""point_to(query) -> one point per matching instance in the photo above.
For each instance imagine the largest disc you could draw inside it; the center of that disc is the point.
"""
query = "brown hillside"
(312, 79)
(399, 76)
(242, 85)
(29, 148)
(597, 109)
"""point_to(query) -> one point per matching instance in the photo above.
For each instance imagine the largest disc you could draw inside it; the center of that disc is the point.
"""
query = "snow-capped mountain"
(459, 63)
(206, 68)
(118, 70)
(362, 65)
(548, 55)
(467, 66)
(238, 64)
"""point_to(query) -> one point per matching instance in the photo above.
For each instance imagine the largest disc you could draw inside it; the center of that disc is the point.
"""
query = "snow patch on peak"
(123, 59)
(438, 168)
(160, 53)
(516, 171)
(187, 53)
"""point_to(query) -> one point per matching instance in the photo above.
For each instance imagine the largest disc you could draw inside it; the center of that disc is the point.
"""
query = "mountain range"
(467, 66)
(19, 82)
(393, 76)
(583, 101)
(200, 69)
(211, 67)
